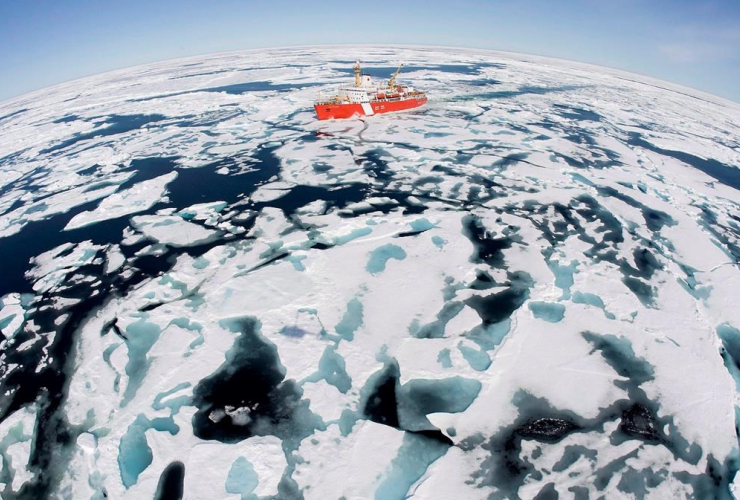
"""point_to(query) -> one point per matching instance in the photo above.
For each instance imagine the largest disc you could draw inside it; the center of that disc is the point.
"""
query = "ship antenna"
(392, 79)
(357, 69)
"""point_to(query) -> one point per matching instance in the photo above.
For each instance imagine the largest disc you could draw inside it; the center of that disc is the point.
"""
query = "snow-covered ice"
(526, 288)
(138, 198)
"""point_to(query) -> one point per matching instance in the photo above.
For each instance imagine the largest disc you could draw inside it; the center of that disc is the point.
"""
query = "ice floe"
(524, 289)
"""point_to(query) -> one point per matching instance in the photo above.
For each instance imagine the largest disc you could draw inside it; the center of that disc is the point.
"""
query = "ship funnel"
(357, 69)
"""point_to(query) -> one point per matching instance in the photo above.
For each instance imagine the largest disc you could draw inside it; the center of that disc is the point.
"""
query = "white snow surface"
(546, 254)
(172, 230)
(139, 198)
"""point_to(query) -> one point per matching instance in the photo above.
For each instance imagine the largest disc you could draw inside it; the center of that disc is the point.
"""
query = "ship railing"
(394, 99)
(346, 100)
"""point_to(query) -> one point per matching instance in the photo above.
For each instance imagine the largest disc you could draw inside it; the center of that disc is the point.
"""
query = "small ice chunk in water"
(173, 230)
(114, 259)
(239, 416)
(12, 315)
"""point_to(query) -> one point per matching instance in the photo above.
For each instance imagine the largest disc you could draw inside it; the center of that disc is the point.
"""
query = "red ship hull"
(324, 111)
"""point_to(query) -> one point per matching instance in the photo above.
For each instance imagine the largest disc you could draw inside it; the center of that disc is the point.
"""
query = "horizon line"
(702, 93)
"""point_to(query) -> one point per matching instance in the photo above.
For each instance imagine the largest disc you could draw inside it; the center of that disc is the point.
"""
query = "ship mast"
(357, 69)
(392, 79)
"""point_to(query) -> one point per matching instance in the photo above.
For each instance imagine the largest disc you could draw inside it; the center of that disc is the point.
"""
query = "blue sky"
(694, 43)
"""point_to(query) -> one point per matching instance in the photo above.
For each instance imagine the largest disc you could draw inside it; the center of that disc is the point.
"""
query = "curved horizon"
(512, 54)
(692, 44)
(212, 288)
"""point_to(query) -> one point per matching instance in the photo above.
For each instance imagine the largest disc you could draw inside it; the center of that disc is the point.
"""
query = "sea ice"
(138, 198)
(525, 288)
